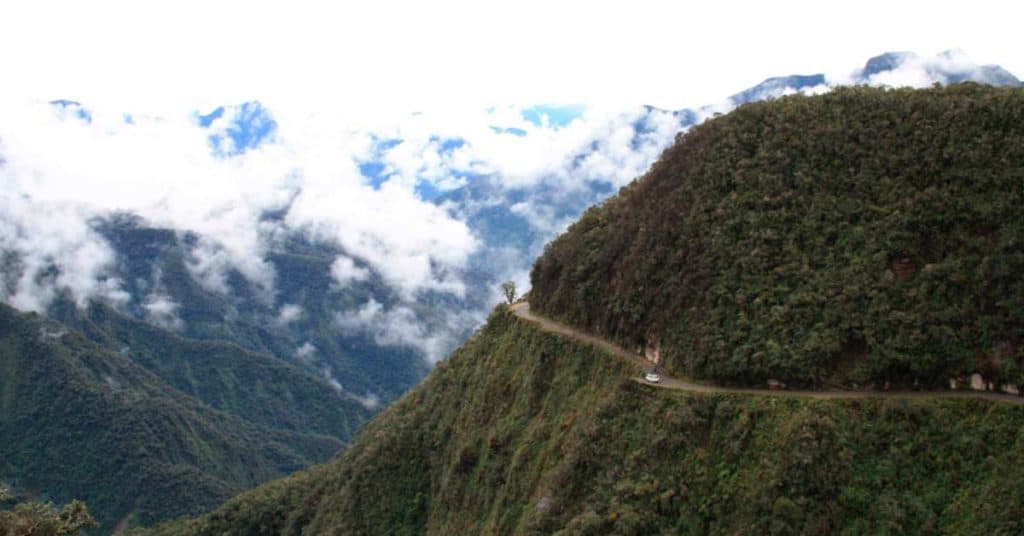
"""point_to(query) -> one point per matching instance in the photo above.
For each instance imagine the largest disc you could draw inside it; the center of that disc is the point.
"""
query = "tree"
(509, 289)
(39, 519)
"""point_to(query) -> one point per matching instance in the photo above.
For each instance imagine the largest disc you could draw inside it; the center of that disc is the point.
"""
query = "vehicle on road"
(652, 377)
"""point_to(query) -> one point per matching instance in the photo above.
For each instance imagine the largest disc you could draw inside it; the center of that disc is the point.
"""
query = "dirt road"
(522, 310)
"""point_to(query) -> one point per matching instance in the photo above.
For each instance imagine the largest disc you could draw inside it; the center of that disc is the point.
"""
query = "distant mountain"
(161, 428)
(949, 67)
(297, 325)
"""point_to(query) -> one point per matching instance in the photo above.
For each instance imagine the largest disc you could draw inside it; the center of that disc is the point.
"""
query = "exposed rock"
(1010, 388)
(977, 382)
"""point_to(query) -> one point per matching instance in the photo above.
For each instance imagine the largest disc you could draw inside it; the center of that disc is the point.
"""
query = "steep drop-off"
(522, 431)
(860, 237)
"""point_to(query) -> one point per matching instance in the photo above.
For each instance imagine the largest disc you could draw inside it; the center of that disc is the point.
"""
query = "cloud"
(163, 311)
(397, 326)
(410, 243)
(369, 401)
(162, 168)
(49, 248)
(289, 313)
(305, 352)
(345, 271)
(238, 178)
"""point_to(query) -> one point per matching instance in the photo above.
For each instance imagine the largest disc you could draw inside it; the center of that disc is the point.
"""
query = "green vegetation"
(39, 519)
(862, 236)
(156, 260)
(508, 289)
(254, 386)
(132, 434)
(521, 431)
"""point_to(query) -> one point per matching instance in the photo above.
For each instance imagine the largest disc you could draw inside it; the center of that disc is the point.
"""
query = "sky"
(386, 56)
(204, 116)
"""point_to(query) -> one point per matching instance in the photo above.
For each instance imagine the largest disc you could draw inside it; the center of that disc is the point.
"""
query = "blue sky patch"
(208, 119)
(558, 116)
(75, 107)
(374, 173)
(447, 145)
(511, 130)
(387, 144)
(248, 128)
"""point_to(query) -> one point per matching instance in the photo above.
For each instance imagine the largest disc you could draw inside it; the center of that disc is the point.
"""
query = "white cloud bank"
(62, 166)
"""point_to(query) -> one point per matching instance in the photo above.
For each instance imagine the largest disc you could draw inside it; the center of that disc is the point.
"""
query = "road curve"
(522, 310)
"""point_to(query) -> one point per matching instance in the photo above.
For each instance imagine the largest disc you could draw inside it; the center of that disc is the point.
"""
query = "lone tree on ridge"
(509, 289)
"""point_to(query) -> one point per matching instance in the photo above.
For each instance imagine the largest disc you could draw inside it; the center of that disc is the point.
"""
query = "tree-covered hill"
(859, 237)
(524, 432)
(159, 427)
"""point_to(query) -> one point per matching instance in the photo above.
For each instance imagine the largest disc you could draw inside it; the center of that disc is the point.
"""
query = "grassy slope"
(859, 236)
(79, 420)
(521, 431)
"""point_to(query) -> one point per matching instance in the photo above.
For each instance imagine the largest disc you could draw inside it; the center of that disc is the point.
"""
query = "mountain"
(526, 431)
(949, 67)
(153, 440)
(297, 324)
(294, 323)
(516, 221)
(522, 431)
(872, 242)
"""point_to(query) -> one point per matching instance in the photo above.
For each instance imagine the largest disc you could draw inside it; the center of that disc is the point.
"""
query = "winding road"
(522, 310)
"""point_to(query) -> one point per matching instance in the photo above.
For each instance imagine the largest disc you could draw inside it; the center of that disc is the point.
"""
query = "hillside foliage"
(525, 432)
(129, 434)
(42, 519)
(859, 237)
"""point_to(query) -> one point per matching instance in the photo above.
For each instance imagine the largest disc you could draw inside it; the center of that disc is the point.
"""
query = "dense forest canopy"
(859, 237)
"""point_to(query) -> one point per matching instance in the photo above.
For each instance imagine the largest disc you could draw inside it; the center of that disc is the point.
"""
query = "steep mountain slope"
(521, 431)
(855, 237)
(316, 356)
(157, 266)
(805, 207)
(109, 424)
(515, 221)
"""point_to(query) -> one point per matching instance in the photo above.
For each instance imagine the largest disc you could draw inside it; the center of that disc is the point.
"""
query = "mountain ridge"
(524, 432)
(789, 241)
